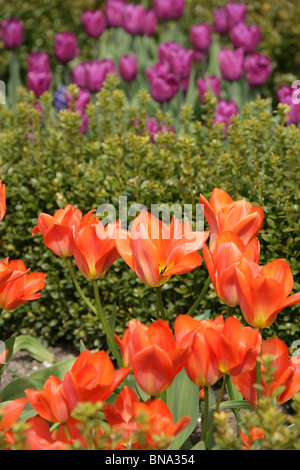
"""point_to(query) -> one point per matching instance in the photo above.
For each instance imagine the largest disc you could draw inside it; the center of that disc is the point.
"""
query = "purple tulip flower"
(150, 24)
(163, 84)
(114, 12)
(224, 111)
(12, 33)
(79, 76)
(231, 64)
(38, 82)
(210, 84)
(66, 47)
(221, 20)
(236, 12)
(179, 59)
(134, 19)
(246, 38)
(257, 69)
(38, 61)
(96, 73)
(94, 23)
(200, 37)
(128, 67)
(169, 9)
(285, 96)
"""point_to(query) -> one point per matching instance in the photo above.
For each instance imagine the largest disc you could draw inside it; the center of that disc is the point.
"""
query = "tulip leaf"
(235, 405)
(176, 399)
(9, 345)
(34, 347)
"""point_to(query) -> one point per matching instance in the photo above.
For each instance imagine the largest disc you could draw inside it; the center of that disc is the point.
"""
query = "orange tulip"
(93, 246)
(253, 434)
(92, 378)
(10, 414)
(17, 286)
(2, 200)
(287, 374)
(38, 436)
(56, 229)
(153, 354)
(50, 403)
(222, 261)
(263, 291)
(223, 214)
(155, 251)
(157, 424)
(202, 365)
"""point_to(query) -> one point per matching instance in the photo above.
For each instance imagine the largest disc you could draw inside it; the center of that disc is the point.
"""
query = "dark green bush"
(47, 164)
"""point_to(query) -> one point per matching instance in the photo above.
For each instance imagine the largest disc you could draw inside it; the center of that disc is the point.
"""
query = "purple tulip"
(210, 84)
(257, 69)
(134, 19)
(169, 9)
(246, 38)
(79, 75)
(154, 127)
(128, 67)
(94, 23)
(80, 103)
(179, 58)
(38, 82)
(96, 73)
(163, 84)
(221, 20)
(150, 24)
(12, 33)
(66, 47)
(200, 37)
(285, 96)
(114, 12)
(224, 111)
(231, 64)
(38, 62)
(236, 12)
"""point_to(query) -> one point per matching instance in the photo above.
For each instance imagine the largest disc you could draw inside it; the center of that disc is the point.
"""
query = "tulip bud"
(38, 62)
(38, 82)
(134, 19)
(79, 75)
(244, 37)
(257, 69)
(168, 9)
(221, 20)
(94, 23)
(66, 47)
(236, 12)
(114, 12)
(128, 68)
(97, 72)
(12, 33)
(150, 24)
(200, 37)
(231, 64)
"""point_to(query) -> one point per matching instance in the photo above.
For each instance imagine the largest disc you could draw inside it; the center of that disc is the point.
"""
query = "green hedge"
(57, 165)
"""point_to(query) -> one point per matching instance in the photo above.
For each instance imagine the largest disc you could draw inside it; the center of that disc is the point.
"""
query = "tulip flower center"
(162, 270)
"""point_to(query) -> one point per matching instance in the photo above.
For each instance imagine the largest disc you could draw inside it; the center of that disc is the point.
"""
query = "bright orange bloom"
(10, 414)
(223, 214)
(2, 200)
(156, 422)
(50, 403)
(17, 286)
(287, 374)
(254, 434)
(263, 291)
(93, 246)
(92, 378)
(222, 261)
(56, 229)
(155, 251)
(202, 365)
(38, 436)
(153, 354)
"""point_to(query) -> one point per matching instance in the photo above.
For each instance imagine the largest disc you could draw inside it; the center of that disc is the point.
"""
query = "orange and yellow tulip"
(17, 286)
(286, 374)
(2, 200)
(155, 251)
(222, 261)
(56, 229)
(153, 354)
(263, 291)
(223, 214)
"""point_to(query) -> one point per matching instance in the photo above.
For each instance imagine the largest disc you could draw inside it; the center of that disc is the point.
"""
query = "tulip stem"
(160, 302)
(200, 297)
(219, 399)
(206, 413)
(109, 334)
(79, 290)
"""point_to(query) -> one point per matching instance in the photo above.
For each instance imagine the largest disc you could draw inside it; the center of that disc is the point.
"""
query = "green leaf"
(182, 398)
(9, 345)
(199, 446)
(235, 405)
(34, 347)
(82, 346)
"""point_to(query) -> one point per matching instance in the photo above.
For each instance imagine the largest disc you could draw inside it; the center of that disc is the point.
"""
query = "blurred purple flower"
(128, 67)
(96, 73)
(179, 59)
(163, 84)
(59, 98)
(221, 20)
(94, 23)
(224, 111)
(210, 84)
(38, 61)
(38, 82)
(246, 37)
(200, 37)
(231, 64)
(12, 33)
(257, 69)
(114, 12)
(79, 76)
(154, 127)
(236, 13)
(134, 19)
(150, 24)
(66, 47)
(169, 9)
(285, 96)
